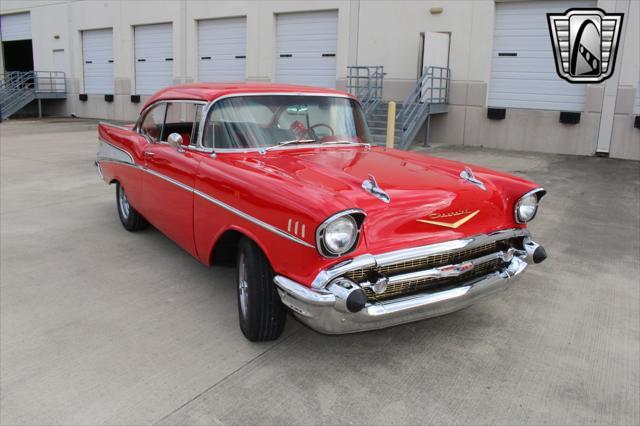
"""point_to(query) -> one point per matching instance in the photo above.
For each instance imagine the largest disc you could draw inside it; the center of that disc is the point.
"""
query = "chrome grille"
(433, 284)
(428, 262)
(433, 261)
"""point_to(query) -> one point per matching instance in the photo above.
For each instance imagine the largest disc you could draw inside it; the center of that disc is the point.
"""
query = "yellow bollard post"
(391, 124)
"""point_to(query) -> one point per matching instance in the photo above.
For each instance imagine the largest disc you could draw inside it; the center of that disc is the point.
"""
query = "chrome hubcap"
(123, 203)
(243, 286)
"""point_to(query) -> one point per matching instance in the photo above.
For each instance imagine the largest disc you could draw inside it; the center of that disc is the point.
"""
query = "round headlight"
(526, 208)
(340, 235)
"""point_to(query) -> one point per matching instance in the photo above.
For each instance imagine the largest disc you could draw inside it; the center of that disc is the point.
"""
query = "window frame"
(143, 115)
(142, 118)
(209, 109)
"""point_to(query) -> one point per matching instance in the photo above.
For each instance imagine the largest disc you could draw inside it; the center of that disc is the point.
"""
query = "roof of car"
(211, 91)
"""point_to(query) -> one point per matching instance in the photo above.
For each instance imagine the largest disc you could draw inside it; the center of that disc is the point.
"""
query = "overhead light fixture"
(436, 10)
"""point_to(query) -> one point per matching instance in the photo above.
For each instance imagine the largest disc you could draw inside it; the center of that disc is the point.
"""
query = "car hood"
(422, 190)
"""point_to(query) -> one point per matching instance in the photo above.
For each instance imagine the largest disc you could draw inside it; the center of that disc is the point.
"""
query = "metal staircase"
(429, 96)
(365, 82)
(18, 89)
(377, 120)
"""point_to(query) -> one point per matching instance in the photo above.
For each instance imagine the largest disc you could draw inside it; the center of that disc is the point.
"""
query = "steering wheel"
(311, 130)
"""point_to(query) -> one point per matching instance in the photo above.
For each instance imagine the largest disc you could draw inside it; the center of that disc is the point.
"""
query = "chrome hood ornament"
(371, 186)
(467, 174)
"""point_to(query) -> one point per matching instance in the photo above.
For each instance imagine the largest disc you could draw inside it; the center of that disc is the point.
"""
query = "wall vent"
(569, 117)
(496, 113)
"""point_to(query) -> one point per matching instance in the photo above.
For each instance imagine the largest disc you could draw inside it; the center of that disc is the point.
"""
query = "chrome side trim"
(122, 163)
(126, 162)
(168, 179)
(252, 219)
(106, 151)
(369, 260)
(106, 123)
(232, 209)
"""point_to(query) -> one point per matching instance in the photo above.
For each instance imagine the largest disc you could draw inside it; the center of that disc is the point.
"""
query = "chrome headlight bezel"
(535, 196)
(356, 216)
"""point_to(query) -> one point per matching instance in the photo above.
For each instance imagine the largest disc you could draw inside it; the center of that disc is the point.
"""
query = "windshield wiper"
(343, 142)
(291, 142)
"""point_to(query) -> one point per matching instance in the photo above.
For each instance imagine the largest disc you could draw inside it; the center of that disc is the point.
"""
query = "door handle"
(149, 154)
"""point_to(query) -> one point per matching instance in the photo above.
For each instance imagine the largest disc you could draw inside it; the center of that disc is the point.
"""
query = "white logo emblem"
(585, 43)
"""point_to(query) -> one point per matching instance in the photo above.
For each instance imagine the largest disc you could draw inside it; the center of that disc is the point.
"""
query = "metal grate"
(433, 261)
(433, 284)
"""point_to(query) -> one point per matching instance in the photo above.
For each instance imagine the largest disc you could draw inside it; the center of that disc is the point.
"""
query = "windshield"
(273, 120)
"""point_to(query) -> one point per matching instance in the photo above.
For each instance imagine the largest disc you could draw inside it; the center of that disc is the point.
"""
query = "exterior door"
(435, 54)
(169, 179)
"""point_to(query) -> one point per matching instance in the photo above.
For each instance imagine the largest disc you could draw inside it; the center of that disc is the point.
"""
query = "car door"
(170, 173)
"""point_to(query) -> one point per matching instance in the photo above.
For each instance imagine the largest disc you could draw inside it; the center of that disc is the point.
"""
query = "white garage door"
(97, 58)
(222, 49)
(15, 27)
(153, 58)
(306, 48)
(523, 72)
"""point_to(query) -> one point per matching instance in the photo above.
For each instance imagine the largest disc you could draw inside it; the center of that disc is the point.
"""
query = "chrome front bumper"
(324, 309)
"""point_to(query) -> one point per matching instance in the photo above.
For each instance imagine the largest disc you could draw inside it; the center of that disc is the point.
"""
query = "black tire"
(261, 313)
(130, 218)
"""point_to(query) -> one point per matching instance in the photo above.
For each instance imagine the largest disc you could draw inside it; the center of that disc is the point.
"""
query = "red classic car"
(283, 181)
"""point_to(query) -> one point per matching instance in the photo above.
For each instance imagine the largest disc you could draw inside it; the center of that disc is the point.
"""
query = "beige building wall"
(369, 33)
(68, 20)
(471, 24)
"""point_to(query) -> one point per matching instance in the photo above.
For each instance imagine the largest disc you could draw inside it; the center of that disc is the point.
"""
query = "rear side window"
(182, 118)
(153, 122)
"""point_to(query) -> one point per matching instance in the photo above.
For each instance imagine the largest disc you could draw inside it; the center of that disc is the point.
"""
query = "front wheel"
(130, 218)
(262, 315)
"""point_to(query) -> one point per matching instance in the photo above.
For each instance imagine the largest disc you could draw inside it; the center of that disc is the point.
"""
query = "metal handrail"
(18, 87)
(366, 83)
(431, 88)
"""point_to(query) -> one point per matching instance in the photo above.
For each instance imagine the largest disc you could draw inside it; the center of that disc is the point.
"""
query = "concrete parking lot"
(102, 326)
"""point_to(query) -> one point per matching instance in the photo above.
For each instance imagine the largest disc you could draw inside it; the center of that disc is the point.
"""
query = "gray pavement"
(102, 326)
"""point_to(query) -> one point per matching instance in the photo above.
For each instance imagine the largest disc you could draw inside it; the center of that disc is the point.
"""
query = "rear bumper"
(324, 310)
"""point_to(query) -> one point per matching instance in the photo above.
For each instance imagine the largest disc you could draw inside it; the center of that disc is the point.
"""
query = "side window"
(236, 123)
(182, 118)
(152, 124)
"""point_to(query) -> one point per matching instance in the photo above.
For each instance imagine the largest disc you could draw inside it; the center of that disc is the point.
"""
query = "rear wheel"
(130, 218)
(261, 313)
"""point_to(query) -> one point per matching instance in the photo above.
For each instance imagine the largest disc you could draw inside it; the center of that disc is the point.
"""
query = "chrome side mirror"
(175, 140)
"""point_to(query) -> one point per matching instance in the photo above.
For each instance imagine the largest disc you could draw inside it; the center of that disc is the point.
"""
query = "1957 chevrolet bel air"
(283, 181)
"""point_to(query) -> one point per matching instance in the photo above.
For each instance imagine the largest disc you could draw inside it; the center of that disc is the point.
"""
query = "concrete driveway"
(102, 326)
